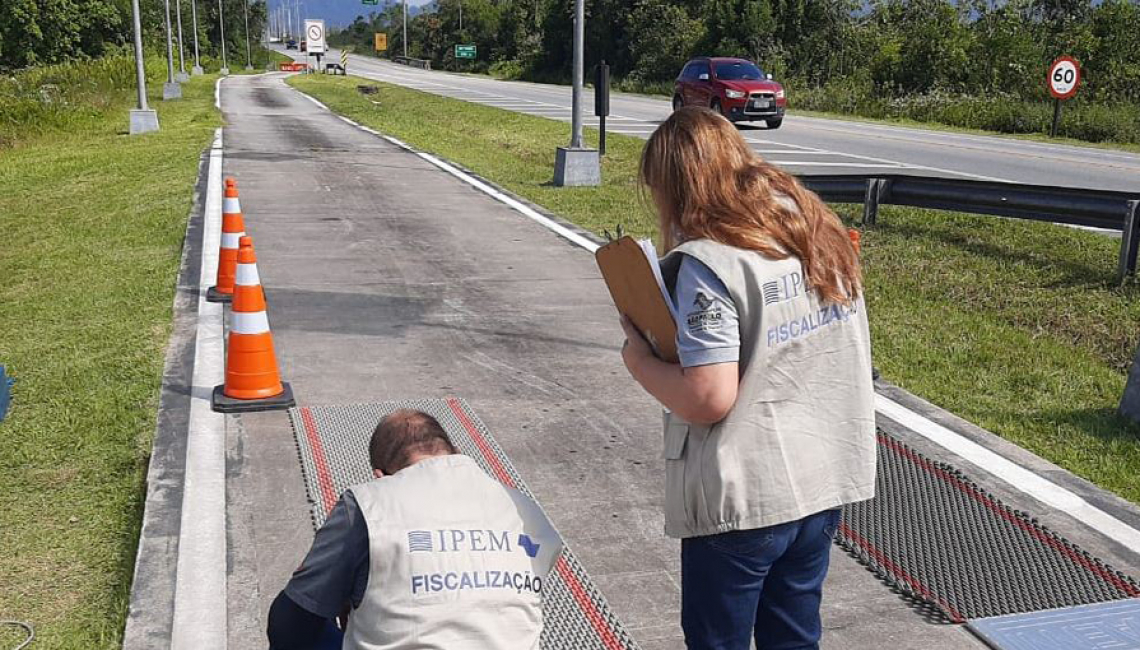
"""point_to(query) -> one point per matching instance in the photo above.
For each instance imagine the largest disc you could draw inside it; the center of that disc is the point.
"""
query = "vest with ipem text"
(800, 438)
(456, 561)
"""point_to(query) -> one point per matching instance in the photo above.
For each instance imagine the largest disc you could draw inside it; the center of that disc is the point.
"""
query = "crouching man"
(433, 555)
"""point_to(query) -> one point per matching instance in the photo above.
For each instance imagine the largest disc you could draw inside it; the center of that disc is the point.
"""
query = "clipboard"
(633, 276)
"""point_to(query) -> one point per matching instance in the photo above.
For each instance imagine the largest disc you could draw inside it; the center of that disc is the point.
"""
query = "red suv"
(736, 88)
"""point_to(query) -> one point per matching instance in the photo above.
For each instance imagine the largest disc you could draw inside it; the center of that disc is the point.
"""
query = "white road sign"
(315, 36)
(1064, 77)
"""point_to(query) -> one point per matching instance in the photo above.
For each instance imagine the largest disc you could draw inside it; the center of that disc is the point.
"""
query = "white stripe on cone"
(247, 275)
(230, 204)
(249, 323)
(231, 239)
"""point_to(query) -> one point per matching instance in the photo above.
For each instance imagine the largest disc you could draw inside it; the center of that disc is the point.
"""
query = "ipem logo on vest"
(706, 315)
(439, 551)
(783, 288)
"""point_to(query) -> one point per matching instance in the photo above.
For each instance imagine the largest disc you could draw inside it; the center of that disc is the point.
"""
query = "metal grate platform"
(333, 443)
(936, 536)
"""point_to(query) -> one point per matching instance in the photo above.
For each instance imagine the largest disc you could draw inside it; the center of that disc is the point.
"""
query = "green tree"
(662, 39)
(50, 31)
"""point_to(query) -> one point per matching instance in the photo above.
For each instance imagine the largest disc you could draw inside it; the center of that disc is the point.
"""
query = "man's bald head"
(403, 437)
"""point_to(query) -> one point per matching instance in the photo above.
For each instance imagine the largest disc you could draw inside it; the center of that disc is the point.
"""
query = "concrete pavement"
(804, 145)
(389, 279)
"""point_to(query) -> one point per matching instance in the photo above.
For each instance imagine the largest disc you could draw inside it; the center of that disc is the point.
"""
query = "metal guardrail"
(415, 63)
(1079, 207)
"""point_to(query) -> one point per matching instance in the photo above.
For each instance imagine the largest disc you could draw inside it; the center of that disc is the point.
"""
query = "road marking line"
(218, 93)
(808, 163)
(1013, 474)
(798, 152)
(200, 615)
(315, 101)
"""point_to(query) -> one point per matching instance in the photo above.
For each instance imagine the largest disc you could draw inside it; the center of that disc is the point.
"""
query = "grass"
(92, 223)
(1016, 326)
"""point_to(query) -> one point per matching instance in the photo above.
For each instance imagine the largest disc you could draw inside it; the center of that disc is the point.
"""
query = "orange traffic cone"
(252, 382)
(233, 228)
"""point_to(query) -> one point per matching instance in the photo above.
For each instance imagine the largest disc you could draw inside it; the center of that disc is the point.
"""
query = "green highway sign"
(465, 51)
(370, 2)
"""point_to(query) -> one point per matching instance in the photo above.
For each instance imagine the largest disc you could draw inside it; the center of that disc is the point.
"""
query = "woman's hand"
(636, 348)
(700, 395)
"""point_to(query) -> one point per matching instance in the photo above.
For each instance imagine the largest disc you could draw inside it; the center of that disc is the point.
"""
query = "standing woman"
(769, 423)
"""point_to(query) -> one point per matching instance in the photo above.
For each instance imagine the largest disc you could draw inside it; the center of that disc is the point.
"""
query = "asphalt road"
(804, 145)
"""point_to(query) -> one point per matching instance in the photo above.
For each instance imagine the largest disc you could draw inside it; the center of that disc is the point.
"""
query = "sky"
(336, 13)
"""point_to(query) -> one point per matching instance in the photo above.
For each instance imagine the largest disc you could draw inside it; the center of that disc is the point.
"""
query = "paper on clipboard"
(633, 275)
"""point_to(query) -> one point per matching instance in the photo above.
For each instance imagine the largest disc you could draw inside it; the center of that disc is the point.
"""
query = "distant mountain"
(339, 13)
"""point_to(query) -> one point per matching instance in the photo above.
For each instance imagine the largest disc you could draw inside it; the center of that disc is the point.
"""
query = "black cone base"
(223, 404)
(213, 295)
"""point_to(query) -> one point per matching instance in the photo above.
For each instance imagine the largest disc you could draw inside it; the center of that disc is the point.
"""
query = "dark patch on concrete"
(268, 98)
(340, 313)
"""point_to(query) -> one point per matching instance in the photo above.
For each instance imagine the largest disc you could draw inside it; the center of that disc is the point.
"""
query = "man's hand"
(636, 348)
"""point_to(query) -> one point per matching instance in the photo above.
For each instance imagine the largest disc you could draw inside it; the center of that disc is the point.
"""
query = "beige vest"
(457, 561)
(801, 437)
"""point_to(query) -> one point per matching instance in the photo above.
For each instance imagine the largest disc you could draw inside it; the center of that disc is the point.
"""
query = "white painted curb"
(200, 615)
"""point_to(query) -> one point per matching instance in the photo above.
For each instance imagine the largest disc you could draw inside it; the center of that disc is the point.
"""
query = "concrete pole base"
(1130, 402)
(181, 77)
(197, 70)
(171, 90)
(224, 71)
(249, 67)
(143, 121)
(577, 167)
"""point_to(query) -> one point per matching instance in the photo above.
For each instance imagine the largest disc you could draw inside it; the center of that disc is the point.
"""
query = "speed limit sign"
(1064, 77)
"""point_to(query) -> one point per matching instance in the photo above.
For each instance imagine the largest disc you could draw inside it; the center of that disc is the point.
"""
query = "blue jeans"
(763, 584)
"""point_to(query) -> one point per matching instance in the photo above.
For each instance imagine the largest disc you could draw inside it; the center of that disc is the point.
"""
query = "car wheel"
(677, 102)
(715, 106)
(774, 124)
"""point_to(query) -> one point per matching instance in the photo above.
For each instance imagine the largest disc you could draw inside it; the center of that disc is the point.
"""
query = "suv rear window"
(738, 70)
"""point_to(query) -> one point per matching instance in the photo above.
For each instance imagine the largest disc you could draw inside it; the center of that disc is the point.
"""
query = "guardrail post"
(1130, 402)
(876, 188)
(1129, 241)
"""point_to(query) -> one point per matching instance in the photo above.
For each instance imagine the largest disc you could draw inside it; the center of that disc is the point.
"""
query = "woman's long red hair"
(708, 184)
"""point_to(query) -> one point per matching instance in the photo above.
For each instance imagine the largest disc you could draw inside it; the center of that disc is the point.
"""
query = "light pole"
(577, 165)
(171, 89)
(222, 30)
(143, 119)
(182, 76)
(405, 29)
(197, 69)
(248, 56)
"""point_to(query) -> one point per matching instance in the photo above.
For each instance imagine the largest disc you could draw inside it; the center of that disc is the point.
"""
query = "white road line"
(218, 93)
(797, 152)
(808, 163)
(200, 588)
(314, 100)
(1016, 476)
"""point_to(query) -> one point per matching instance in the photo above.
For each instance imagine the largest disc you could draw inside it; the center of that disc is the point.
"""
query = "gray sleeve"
(335, 572)
(709, 328)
